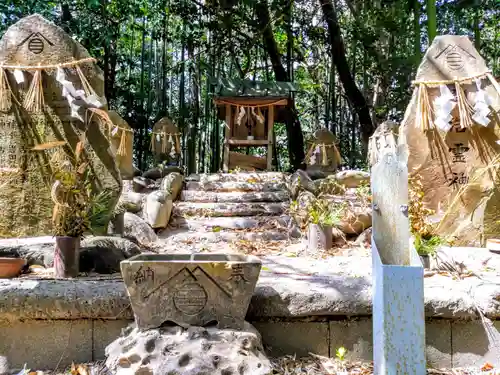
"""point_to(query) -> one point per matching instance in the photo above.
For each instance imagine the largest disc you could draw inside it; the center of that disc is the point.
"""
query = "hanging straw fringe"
(34, 100)
(5, 92)
(85, 83)
(465, 109)
(325, 157)
(164, 141)
(126, 141)
(337, 158)
(424, 109)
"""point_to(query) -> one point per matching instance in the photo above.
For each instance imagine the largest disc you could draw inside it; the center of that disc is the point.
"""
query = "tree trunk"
(431, 20)
(195, 107)
(416, 30)
(293, 129)
(353, 93)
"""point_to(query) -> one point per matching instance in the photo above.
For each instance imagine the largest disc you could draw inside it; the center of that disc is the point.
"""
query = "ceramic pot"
(426, 261)
(319, 236)
(11, 267)
(493, 245)
(67, 257)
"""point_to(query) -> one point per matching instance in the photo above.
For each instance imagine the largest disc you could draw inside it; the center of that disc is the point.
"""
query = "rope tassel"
(34, 100)
(5, 92)
(125, 143)
(465, 109)
(424, 109)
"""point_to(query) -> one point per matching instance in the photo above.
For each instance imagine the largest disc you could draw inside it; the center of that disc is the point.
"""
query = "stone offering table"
(190, 289)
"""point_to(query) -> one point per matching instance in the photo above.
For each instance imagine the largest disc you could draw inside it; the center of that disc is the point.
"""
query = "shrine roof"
(227, 87)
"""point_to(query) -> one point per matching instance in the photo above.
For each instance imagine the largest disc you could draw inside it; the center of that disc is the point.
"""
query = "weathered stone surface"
(191, 351)
(143, 185)
(287, 287)
(236, 186)
(230, 197)
(137, 230)
(353, 178)
(53, 122)
(172, 184)
(99, 254)
(251, 177)
(356, 220)
(188, 290)
(158, 209)
(246, 222)
(132, 201)
(172, 237)
(104, 254)
(301, 181)
(160, 172)
(229, 209)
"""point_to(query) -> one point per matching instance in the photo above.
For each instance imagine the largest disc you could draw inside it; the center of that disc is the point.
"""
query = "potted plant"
(322, 217)
(77, 209)
(425, 238)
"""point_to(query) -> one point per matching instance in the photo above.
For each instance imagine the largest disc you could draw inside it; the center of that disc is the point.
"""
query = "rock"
(4, 365)
(301, 181)
(132, 201)
(248, 222)
(234, 196)
(365, 238)
(330, 186)
(249, 177)
(172, 184)
(353, 178)
(356, 220)
(157, 209)
(137, 230)
(104, 254)
(229, 209)
(143, 185)
(232, 186)
(193, 351)
(35, 249)
(55, 118)
(160, 172)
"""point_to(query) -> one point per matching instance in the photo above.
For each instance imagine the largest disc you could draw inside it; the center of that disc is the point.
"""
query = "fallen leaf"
(487, 367)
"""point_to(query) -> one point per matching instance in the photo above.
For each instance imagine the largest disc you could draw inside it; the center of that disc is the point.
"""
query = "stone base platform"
(300, 305)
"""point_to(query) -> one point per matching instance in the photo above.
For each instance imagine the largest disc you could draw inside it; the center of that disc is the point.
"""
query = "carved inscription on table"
(190, 298)
(237, 273)
(142, 275)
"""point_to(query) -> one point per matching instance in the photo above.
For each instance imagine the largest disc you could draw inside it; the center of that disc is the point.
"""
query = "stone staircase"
(217, 211)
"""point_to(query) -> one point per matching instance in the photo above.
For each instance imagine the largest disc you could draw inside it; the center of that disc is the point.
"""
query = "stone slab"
(104, 333)
(228, 209)
(287, 287)
(171, 237)
(236, 186)
(294, 338)
(227, 197)
(240, 177)
(356, 336)
(475, 343)
(244, 222)
(44, 344)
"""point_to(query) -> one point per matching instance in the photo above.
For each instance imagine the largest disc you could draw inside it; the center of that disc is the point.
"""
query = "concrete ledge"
(287, 288)
(44, 344)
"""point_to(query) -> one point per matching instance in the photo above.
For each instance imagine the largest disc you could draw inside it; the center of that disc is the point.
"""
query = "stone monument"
(51, 97)
(451, 127)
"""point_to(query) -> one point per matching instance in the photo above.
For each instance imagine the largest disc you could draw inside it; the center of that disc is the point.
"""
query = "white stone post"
(398, 283)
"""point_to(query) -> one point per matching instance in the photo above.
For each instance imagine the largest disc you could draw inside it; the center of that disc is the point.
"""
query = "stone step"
(236, 186)
(235, 196)
(229, 209)
(177, 237)
(246, 222)
(238, 177)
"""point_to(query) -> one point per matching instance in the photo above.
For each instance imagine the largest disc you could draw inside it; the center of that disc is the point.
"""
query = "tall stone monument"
(451, 127)
(51, 97)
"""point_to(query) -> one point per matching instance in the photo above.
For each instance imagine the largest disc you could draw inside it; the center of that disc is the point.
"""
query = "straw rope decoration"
(164, 138)
(34, 100)
(5, 92)
(424, 118)
(323, 150)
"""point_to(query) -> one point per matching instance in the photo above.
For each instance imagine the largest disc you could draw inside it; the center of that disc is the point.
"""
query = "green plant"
(77, 209)
(426, 240)
(324, 212)
(340, 353)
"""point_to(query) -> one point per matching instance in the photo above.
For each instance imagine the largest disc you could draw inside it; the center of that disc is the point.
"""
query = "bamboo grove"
(353, 61)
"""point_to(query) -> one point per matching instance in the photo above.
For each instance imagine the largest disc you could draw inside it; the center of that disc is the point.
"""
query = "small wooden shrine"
(250, 109)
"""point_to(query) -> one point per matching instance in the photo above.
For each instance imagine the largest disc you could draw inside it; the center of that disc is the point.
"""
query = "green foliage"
(428, 246)
(323, 212)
